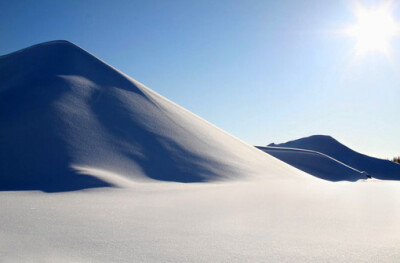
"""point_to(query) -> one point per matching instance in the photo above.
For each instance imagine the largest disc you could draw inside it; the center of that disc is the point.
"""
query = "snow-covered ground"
(277, 221)
(117, 173)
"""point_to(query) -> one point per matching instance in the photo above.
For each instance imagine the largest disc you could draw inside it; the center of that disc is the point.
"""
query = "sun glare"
(374, 29)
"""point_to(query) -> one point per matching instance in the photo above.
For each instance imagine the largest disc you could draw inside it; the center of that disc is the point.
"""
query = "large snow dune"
(69, 121)
(325, 157)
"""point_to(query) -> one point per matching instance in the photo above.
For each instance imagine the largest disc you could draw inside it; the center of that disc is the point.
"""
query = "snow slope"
(315, 163)
(326, 145)
(69, 121)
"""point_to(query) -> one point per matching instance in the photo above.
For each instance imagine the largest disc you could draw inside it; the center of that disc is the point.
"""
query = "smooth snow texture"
(63, 108)
(270, 221)
(297, 154)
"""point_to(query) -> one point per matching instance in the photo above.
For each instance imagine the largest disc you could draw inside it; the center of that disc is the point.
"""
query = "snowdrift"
(325, 157)
(66, 118)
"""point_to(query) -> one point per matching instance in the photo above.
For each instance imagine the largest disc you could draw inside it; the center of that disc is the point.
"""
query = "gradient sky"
(265, 71)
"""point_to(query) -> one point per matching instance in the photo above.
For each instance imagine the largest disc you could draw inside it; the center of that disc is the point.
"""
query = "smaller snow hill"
(315, 163)
(325, 157)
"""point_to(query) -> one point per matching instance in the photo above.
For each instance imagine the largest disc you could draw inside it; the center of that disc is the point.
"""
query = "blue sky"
(265, 71)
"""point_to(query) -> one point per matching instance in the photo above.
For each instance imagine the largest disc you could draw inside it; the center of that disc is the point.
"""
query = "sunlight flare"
(374, 29)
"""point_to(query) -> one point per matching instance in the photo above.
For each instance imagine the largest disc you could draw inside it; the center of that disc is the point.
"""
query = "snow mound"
(70, 121)
(315, 163)
(328, 146)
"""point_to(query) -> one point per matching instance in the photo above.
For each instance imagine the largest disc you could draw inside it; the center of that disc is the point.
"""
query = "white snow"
(276, 221)
(68, 121)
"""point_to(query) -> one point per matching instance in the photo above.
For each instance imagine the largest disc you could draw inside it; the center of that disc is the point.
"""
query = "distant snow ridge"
(69, 121)
(325, 157)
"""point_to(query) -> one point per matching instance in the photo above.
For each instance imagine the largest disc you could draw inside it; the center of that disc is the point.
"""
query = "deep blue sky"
(265, 71)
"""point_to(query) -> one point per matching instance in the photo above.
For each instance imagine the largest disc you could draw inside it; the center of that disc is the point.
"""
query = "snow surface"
(68, 121)
(344, 163)
(276, 221)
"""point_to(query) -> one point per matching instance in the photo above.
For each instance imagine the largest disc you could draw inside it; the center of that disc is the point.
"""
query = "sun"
(374, 29)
